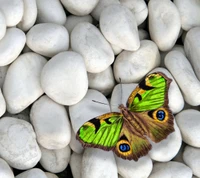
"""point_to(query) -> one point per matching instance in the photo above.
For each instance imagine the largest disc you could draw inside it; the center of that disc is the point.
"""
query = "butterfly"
(146, 115)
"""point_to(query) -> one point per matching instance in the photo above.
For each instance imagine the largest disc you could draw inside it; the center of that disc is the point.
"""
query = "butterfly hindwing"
(101, 132)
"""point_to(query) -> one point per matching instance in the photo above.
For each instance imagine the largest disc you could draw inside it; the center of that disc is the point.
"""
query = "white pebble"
(73, 20)
(189, 11)
(22, 83)
(18, 144)
(189, 125)
(118, 25)
(133, 66)
(191, 46)
(103, 81)
(102, 4)
(140, 169)
(75, 164)
(5, 170)
(13, 11)
(3, 71)
(48, 39)
(171, 169)
(11, 45)
(138, 8)
(2, 25)
(191, 157)
(184, 75)
(51, 123)
(79, 7)
(179, 156)
(143, 35)
(87, 109)
(98, 163)
(29, 16)
(87, 40)
(64, 78)
(51, 11)
(51, 175)
(2, 104)
(164, 23)
(32, 173)
(116, 49)
(55, 160)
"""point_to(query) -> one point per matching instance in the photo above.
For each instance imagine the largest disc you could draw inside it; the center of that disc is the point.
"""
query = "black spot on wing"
(139, 96)
(123, 137)
(107, 121)
(96, 123)
(150, 113)
(143, 86)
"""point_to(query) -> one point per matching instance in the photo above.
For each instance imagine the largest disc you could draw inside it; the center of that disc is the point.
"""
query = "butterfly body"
(146, 115)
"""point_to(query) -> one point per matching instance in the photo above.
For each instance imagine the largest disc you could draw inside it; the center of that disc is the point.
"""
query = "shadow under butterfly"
(146, 114)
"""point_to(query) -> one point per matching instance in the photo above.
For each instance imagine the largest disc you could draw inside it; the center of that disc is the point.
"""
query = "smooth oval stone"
(55, 160)
(119, 27)
(116, 49)
(13, 11)
(191, 157)
(133, 66)
(189, 123)
(138, 8)
(87, 40)
(171, 169)
(18, 146)
(5, 170)
(50, 175)
(75, 164)
(164, 23)
(103, 81)
(90, 106)
(48, 39)
(73, 20)
(189, 16)
(29, 16)
(3, 71)
(2, 104)
(102, 4)
(64, 78)
(51, 123)
(176, 101)
(191, 46)
(96, 161)
(184, 75)
(179, 156)
(22, 83)
(51, 11)
(79, 7)
(2, 25)
(140, 169)
(11, 45)
(168, 148)
(32, 173)
(143, 35)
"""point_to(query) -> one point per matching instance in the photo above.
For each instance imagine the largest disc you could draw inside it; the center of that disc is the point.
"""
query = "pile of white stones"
(48, 60)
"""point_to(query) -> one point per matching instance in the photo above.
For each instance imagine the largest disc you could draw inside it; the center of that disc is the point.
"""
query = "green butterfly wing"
(101, 132)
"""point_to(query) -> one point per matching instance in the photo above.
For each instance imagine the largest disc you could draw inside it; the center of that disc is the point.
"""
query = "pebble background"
(56, 56)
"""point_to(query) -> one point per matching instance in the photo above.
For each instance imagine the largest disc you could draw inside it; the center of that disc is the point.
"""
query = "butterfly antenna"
(100, 102)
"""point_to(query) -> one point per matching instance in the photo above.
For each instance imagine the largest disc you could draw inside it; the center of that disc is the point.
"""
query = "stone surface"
(51, 11)
(140, 169)
(191, 46)
(2, 104)
(50, 175)
(32, 173)
(189, 11)
(98, 163)
(184, 75)
(2, 25)
(51, 123)
(171, 169)
(55, 160)
(76, 164)
(29, 16)
(103, 81)
(133, 66)
(18, 144)
(3, 71)
(64, 78)
(118, 25)
(11, 45)
(164, 23)
(22, 83)
(5, 170)
(13, 11)
(79, 7)
(48, 39)
(189, 125)
(191, 157)
(85, 38)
